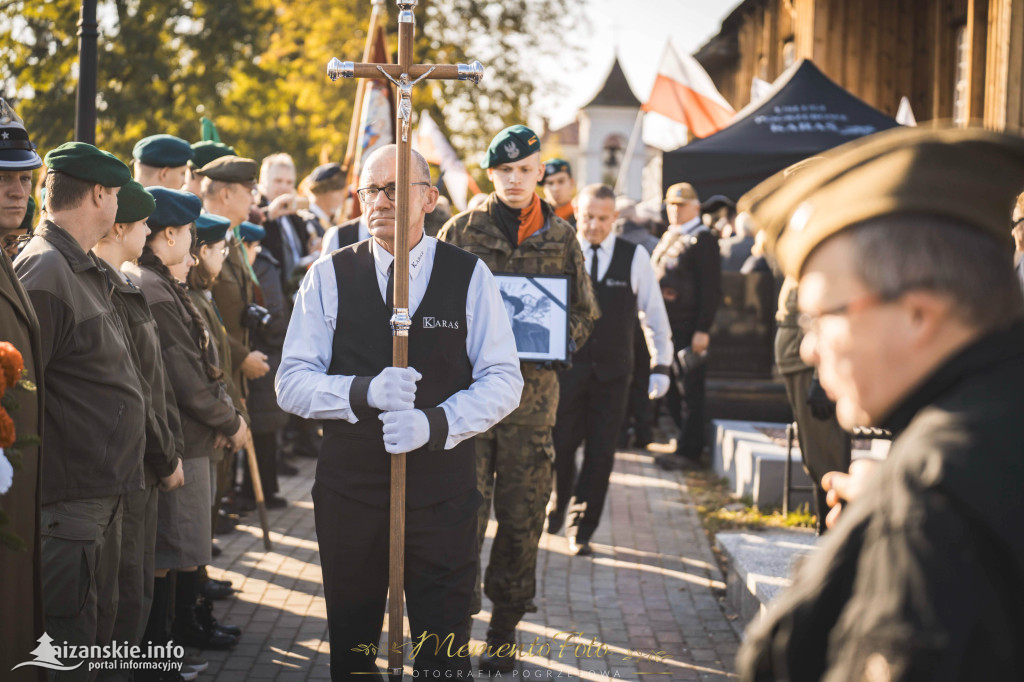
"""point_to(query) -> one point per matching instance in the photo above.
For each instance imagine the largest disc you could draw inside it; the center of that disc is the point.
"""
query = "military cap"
(680, 193)
(163, 151)
(85, 162)
(206, 151)
(134, 203)
(511, 144)
(16, 151)
(231, 169)
(175, 207)
(211, 228)
(251, 232)
(970, 176)
(556, 165)
(326, 177)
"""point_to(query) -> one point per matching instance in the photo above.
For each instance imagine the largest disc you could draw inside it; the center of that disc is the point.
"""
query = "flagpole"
(357, 112)
(627, 157)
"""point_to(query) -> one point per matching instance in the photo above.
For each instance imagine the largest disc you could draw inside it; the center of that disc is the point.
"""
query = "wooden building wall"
(882, 50)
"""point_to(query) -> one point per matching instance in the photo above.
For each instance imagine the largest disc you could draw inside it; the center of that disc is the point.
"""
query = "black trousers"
(440, 569)
(686, 401)
(590, 411)
(638, 412)
(265, 445)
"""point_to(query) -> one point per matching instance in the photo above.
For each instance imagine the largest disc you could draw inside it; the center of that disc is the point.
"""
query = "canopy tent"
(805, 113)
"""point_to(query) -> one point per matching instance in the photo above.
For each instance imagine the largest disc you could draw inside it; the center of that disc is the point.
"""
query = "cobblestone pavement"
(645, 605)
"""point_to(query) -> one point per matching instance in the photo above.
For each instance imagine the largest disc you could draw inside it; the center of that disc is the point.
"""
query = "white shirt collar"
(417, 257)
(607, 246)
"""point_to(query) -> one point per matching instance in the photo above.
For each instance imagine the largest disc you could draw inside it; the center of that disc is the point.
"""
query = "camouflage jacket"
(553, 250)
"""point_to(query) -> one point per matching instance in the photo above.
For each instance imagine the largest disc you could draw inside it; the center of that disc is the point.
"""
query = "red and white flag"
(684, 92)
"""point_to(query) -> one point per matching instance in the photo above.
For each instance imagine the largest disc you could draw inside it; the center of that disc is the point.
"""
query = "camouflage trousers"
(514, 469)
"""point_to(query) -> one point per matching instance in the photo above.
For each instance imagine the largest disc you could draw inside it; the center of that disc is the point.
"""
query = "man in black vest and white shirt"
(594, 392)
(463, 377)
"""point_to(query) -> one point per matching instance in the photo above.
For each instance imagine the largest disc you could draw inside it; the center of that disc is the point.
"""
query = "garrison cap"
(134, 203)
(967, 175)
(251, 232)
(211, 228)
(231, 169)
(326, 178)
(16, 151)
(85, 162)
(511, 144)
(163, 151)
(175, 207)
(680, 193)
(556, 165)
(206, 151)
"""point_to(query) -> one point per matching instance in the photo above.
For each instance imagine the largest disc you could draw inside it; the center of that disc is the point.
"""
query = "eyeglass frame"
(808, 322)
(393, 186)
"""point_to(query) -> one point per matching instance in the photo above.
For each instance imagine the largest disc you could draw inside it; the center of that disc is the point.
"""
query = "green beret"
(556, 165)
(134, 203)
(86, 162)
(970, 176)
(30, 214)
(231, 169)
(174, 207)
(211, 228)
(250, 232)
(206, 151)
(511, 144)
(162, 151)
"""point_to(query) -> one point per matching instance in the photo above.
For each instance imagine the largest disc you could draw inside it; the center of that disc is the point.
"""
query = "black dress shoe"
(215, 550)
(580, 547)
(225, 523)
(244, 503)
(275, 502)
(215, 589)
(492, 662)
(284, 468)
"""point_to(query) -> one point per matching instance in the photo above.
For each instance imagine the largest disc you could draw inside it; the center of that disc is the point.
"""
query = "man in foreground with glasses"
(913, 316)
(463, 377)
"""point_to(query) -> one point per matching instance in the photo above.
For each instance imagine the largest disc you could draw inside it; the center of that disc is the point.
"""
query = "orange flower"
(6, 429)
(11, 364)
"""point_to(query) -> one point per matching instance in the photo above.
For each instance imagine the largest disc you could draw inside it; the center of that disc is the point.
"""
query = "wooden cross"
(404, 75)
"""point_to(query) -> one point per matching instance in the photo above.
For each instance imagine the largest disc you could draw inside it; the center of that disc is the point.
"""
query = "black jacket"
(924, 575)
(265, 415)
(689, 272)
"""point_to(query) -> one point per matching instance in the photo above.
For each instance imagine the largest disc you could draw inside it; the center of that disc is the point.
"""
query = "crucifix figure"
(404, 75)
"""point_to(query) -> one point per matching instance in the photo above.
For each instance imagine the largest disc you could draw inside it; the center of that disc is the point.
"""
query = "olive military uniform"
(515, 458)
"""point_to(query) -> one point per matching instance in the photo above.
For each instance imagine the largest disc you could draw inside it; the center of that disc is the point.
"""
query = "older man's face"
(380, 213)
(280, 180)
(15, 189)
(859, 343)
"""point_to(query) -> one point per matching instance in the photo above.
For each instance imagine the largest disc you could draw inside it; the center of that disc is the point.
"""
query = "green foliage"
(257, 68)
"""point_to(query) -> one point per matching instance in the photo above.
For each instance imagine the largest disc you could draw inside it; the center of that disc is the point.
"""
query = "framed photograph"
(538, 307)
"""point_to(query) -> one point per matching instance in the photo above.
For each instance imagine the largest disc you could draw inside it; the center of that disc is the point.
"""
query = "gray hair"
(597, 191)
(420, 169)
(896, 254)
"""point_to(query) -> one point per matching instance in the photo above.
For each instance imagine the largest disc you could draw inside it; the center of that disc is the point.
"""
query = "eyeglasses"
(368, 195)
(809, 322)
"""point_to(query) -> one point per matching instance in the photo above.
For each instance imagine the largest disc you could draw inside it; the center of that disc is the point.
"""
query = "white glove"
(657, 386)
(405, 431)
(393, 389)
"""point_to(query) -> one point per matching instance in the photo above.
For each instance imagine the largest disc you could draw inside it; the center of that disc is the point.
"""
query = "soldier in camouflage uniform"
(513, 231)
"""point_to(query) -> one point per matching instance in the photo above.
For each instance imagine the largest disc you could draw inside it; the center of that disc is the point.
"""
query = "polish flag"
(684, 92)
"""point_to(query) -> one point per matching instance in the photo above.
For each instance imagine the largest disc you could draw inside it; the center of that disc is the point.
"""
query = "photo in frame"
(538, 308)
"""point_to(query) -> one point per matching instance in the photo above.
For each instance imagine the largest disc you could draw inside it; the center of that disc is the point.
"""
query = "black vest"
(353, 461)
(348, 233)
(609, 349)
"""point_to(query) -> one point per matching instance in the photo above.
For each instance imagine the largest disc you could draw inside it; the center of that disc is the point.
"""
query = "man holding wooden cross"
(462, 378)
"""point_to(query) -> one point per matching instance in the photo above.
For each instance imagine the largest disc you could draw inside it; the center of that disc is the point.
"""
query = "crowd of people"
(172, 314)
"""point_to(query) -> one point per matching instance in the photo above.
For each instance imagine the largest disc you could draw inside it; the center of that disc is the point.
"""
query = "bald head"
(419, 169)
(380, 172)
